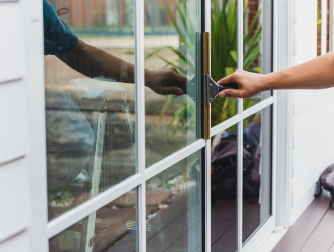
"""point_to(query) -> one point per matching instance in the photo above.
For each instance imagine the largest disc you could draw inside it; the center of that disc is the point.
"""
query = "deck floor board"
(323, 236)
(304, 232)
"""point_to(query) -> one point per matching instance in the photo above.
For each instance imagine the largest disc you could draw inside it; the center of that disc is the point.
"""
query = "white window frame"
(42, 230)
(283, 41)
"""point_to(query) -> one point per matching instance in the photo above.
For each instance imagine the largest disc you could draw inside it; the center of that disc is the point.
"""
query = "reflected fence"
(115, 17)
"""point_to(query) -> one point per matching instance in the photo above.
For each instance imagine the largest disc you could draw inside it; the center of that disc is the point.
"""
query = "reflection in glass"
(252, 47)
(90, 100)
(223, 54)
(224, 191)
(172, 121)
(257, 171)
(112, 228)
(174, 208)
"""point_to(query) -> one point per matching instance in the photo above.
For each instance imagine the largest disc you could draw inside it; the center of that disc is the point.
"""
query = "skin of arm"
(94, 62)
(314, 74)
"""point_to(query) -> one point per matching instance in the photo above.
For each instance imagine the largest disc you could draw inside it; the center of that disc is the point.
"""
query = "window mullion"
(240, 127)
(140, 122)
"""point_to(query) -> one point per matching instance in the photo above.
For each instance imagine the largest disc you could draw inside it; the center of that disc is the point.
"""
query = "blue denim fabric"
(58, 37)
(70, 140)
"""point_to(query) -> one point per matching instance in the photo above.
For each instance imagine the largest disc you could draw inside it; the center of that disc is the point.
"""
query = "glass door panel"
(224, 191)
(173, 67)
(89, 97)
(223, 54)
(90, 126)
(112, 228)
(174, 207)
(234, 224)
(257, 171)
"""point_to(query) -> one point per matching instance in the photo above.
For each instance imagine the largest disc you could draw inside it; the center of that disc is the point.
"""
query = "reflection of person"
(70, 137)
(93, 62)
(314, 74)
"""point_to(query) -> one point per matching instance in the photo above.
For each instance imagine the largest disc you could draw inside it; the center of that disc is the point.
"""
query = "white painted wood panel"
(13, 124)
(11, 42)
(308, 177)
(17, 243)
(301, 205)
(302, 99)
(305, 17)
(312, 146)
(15, 198)
(311, 119)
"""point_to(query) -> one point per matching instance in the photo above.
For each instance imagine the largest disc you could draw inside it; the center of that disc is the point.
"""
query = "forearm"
(315, 74)
(94, 62)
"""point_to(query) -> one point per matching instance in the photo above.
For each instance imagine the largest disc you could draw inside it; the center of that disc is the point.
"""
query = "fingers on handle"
(230, 93)
(227, 79)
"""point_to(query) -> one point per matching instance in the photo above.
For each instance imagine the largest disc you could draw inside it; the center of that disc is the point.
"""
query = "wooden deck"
(312, 232)
(223, 224)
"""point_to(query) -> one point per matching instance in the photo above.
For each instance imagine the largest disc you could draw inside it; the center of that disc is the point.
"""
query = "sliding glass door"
(124, 126)
(136, 158)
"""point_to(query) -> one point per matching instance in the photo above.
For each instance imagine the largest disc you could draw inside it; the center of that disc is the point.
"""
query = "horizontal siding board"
(301, 205)
(14, 192)
(13, 124)
(17, 243)
(11, 43)
(309, 175)
(303, 99)
(312, 146)
(311, 119)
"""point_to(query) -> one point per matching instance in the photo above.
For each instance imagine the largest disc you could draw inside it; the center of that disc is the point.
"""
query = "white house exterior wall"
(312, 115)
(15, 217)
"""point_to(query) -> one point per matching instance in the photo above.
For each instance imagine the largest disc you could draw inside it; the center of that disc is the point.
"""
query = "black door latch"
(212, 89)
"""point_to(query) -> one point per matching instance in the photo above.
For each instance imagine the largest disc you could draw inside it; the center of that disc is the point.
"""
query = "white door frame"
(41, 230)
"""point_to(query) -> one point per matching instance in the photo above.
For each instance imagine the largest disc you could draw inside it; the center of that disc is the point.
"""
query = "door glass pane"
(252, 46)
(223, 54)
(89, 91)
(174, 207)
(111, 228)
(257, 171)
(224, 190)
(172, 67)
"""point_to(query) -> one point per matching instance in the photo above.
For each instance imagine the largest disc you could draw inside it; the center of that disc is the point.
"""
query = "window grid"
(139, 180)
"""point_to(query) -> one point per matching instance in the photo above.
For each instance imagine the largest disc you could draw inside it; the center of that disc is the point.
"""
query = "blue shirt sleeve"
(58, 37)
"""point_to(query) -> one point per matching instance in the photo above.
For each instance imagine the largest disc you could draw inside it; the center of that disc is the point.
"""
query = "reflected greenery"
(223, 55)
(224, 51)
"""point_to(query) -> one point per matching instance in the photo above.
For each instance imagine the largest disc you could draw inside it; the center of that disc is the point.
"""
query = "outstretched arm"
(94, 62)
(315, 74)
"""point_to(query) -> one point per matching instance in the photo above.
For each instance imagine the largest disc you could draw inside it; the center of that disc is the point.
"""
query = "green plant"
(224, 51)
(223, 54)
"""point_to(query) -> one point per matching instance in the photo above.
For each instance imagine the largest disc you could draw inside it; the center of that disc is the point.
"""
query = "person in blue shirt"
(70, 146)
(92, 62)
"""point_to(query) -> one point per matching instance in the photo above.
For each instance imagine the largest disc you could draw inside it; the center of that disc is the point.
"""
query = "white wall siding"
(15, 210)
(15, 198)
(13, 122)
(312, 119)
(17, 243)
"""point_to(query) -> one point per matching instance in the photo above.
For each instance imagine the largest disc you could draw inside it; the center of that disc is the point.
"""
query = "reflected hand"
(166, 81)
(249, 84)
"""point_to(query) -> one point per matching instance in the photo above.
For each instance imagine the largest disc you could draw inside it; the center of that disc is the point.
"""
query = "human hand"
(249, 84)
(166, 81)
